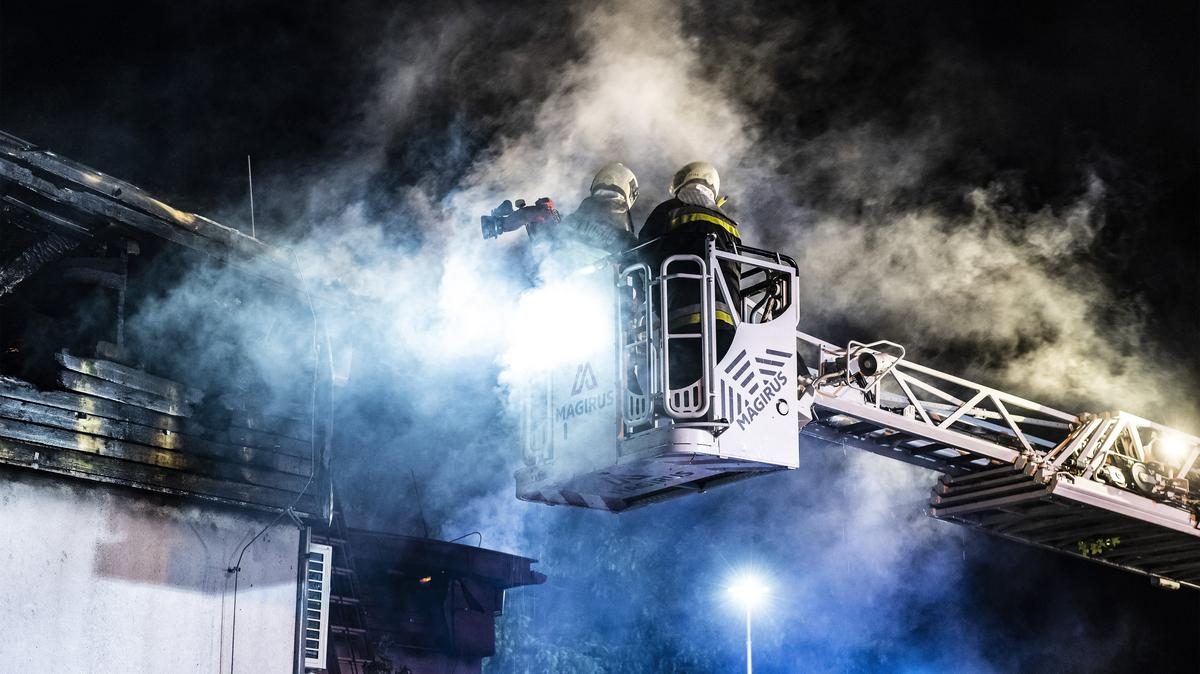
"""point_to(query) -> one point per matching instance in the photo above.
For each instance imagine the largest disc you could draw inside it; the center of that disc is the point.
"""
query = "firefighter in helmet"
(602, 220)
(561, 245)
(681, 225)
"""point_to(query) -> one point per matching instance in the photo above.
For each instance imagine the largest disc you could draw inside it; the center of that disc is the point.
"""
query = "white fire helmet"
(618, 178)
(697, 171)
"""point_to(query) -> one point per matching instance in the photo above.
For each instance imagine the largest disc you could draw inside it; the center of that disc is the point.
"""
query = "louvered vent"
(318, 574)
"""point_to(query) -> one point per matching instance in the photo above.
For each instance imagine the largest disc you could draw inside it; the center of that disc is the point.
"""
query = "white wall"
(103, 579)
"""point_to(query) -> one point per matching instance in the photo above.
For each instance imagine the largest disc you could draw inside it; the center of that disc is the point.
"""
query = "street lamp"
(749, 591)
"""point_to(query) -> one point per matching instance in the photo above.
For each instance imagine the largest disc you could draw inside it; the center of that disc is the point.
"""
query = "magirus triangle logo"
(754, 382)
(584, 399)
(585, 379)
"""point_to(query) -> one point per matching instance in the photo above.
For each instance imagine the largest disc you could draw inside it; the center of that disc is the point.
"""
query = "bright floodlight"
(565, 321)
(747, 590)
(1172, 447)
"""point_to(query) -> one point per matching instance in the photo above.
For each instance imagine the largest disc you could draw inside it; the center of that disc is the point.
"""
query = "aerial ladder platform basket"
(615, 428)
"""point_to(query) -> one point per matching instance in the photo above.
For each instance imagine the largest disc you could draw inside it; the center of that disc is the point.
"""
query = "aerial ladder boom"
(611, 428)
(1113, 488)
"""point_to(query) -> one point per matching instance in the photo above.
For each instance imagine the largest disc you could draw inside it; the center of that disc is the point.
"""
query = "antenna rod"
(421, 507)
(250, 176)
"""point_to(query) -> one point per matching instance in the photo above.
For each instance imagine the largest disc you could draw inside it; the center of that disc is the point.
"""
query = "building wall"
(102, 579)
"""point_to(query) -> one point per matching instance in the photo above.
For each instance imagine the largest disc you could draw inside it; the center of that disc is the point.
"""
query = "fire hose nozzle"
(506, 218)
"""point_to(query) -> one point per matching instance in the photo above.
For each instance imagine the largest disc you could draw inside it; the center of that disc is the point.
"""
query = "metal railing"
(694, 400)
(647, 337)
(924, 402)
(636, 328)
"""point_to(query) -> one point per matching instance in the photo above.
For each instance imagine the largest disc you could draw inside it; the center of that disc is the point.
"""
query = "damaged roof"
(50, 204)
(77, 396)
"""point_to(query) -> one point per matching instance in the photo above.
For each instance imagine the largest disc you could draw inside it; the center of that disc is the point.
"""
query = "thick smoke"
(1016, 290)
(972, 277)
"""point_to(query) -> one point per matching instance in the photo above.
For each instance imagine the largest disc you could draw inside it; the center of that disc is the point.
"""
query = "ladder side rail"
(979, 419)
(918, 429)
(930, 420)
(705, 335)
(1015, 401)
(980, 414)
(918, 406)
(635, 352)
(1009, 398)
(967, 412)
(1012, 424)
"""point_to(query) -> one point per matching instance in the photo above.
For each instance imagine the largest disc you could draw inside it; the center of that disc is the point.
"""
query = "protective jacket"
(684, 229)
(600, 222)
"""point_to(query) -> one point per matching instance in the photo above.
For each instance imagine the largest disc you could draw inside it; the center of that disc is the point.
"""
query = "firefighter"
(602, 220)
(602, 224)
(682, 225)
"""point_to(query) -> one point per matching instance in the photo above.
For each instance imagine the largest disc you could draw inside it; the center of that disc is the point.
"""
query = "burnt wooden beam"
(244, 439)
(185, 229)
(101, 468)
(20, 410)
(153, 456)
(47, 220)
(132, 196)
(131, 378)
(100, 388)
(112, 409)
(392, 553)
(33, 258)
(94, 204)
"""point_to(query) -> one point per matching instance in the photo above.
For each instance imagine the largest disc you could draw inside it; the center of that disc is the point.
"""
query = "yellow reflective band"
(705, 217)
(693, 319)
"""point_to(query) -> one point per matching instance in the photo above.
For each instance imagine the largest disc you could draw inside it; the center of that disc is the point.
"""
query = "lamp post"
(748, 591)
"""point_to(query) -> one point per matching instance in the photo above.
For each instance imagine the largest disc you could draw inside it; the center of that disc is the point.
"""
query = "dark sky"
(173, 96)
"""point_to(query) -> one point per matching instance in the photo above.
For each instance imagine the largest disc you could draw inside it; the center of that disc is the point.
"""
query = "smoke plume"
(897, 235)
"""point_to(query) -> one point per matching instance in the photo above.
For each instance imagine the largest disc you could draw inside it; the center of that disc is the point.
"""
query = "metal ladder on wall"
(351, 651)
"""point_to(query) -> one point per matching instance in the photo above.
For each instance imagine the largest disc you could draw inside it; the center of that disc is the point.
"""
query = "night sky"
(859, 114)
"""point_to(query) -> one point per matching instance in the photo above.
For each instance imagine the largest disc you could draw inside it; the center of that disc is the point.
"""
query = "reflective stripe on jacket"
(675, 218)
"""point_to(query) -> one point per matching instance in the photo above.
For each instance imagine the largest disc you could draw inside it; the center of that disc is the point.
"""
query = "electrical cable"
(236, 569)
